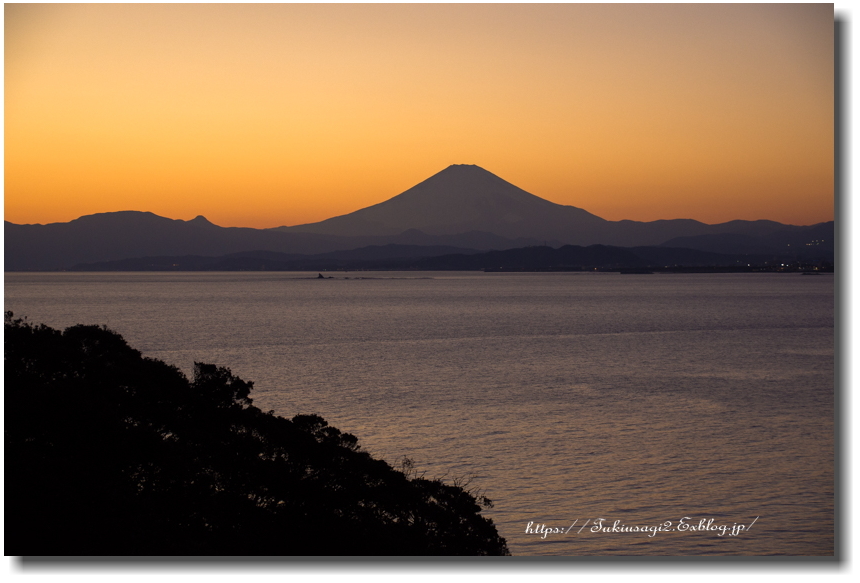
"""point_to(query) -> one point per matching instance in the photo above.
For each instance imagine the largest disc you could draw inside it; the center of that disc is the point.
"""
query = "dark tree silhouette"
(110, 453)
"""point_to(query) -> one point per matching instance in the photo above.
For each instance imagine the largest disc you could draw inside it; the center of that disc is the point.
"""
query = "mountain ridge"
(466, 197)
(462, 206)
(460, 198)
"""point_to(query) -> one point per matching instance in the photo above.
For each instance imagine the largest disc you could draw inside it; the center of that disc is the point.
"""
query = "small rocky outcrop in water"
(110, 453)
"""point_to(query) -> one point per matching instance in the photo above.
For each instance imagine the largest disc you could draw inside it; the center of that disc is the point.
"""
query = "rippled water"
(566, 397)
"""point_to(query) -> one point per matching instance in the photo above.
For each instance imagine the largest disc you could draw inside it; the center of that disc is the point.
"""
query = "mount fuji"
(463, 206)
(465, 198)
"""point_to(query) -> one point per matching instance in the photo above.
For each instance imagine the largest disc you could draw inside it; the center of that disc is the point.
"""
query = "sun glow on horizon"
(282, 114)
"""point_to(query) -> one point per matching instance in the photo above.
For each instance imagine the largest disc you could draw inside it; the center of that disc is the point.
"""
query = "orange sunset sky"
(267, 115)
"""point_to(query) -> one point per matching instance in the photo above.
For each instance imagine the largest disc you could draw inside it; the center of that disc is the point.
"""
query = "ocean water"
(695, 410)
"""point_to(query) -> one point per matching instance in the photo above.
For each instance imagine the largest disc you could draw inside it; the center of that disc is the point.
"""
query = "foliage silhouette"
(110, 453)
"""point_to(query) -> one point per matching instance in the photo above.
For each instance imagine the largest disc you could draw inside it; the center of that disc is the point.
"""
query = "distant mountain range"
(463, 207)
(412, 258)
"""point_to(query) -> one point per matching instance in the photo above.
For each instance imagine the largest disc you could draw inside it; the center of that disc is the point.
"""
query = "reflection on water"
(567, 397)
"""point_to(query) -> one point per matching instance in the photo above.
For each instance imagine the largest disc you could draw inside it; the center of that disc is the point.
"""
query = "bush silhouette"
(110, 453)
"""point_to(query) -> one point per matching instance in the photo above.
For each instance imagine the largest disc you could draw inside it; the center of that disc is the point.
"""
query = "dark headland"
(111, 454)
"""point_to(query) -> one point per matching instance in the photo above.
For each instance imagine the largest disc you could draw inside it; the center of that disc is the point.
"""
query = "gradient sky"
(269, 115)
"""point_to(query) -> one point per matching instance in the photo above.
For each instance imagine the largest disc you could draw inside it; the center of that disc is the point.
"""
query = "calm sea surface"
(563, 397)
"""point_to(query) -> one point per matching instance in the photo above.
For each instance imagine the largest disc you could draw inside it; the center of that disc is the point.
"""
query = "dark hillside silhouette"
(110, 453)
